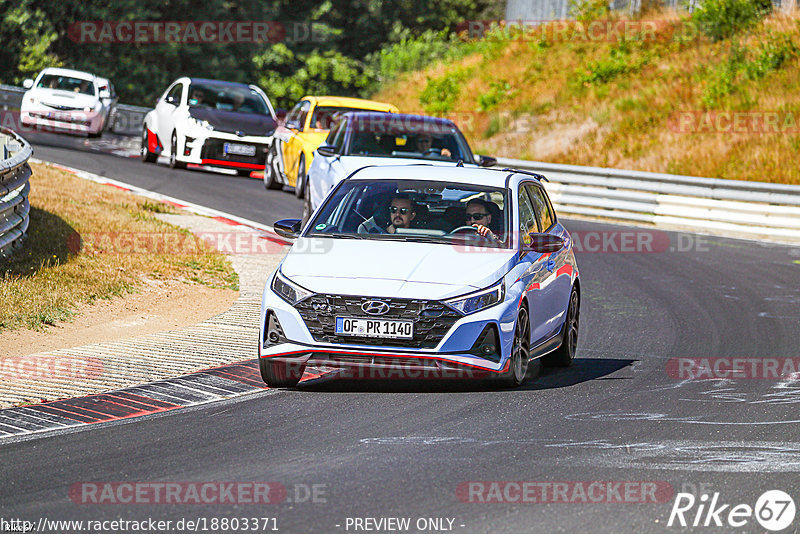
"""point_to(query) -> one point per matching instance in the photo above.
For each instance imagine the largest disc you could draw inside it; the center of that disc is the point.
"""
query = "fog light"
(273, 332)
(486, 346)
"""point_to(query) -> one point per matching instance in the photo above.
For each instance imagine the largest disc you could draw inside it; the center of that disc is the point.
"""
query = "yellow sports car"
(305, 128)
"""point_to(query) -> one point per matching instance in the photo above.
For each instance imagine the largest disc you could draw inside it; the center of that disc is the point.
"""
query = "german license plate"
(239, 150)
(349, 326)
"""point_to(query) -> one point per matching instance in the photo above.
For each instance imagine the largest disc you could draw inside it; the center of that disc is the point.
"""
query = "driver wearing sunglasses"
(479, 216)
(401, 212)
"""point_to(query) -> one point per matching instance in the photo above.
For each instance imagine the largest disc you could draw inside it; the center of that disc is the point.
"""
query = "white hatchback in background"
(66, 100)
(210, 122)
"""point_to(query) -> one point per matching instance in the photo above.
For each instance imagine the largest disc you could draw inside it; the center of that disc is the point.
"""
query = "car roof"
(217, 82)
(437, 173)
(69, 72)
(400, 118)
(348, 102)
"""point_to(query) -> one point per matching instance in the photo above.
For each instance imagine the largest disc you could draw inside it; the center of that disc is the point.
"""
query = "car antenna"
(460, 163)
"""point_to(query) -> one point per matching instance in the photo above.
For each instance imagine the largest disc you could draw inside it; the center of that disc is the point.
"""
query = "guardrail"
(729, 207)
(14, 190)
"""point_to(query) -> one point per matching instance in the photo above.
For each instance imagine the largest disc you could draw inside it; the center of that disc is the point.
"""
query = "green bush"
(619, 61)
(441, 93)
(410, 53)
(770, 56)
(588, 10)
(498, 92)
(721, 19)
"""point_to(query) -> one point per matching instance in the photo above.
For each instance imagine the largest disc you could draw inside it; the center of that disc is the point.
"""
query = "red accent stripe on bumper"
(224, 163)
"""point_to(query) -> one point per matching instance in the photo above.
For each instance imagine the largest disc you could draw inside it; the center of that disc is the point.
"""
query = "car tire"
(146, 155)
(564, 355)
(280, 374)
(173, 154)
(270, 172)
(307, 211)
(520, 352)
(300, 184)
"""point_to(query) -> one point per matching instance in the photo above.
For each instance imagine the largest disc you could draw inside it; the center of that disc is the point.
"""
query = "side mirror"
(486, 161)
(27, 84)
(288, 228)
(172, 100)
(104, 93)
(545, 243)
(326, 150)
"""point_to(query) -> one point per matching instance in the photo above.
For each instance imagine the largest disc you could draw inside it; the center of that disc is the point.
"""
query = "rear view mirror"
(288, 228)
(545, 243)
(486, 161)
(326, 150)
(27, 84)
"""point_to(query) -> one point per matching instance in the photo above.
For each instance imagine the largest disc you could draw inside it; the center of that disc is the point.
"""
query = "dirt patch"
(158, 306)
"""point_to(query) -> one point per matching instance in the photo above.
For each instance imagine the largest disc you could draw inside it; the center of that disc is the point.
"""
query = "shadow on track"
(582, 370)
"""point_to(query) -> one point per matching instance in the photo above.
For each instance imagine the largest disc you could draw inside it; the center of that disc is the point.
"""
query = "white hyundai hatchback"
(66, 100)
(424, 269)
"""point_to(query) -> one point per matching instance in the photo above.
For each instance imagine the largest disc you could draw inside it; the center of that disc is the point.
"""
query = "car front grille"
(62, 108)
(432, 319)
(215, 149)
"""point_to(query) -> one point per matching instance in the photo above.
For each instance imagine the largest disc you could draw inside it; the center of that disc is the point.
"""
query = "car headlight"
(480, 300)
(288, 290)
(202, 124)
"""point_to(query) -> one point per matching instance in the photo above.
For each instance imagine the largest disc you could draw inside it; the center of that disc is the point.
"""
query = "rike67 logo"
(774, 510)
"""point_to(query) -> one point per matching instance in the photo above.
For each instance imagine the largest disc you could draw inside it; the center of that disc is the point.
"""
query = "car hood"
(232, 121)
(61, 98)
(393, 269)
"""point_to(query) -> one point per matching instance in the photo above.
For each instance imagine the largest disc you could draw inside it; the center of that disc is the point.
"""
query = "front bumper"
(72, 122)
(454, 351)
(208, 148)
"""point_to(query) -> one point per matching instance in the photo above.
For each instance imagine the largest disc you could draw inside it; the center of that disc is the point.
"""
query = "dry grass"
(45, 281)
(624, 120)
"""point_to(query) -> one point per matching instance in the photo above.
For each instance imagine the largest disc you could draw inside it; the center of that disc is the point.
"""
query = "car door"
(167, 111)
(293, 142)
(540, 274)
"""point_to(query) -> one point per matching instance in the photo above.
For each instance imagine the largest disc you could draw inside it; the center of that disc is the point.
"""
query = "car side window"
(338, 136)
(305, 105)
(293, 115)
(527, 217)
(542, 207)
(174, 95)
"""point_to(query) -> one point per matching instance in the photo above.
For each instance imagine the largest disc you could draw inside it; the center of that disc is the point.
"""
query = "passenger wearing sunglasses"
(479, 216)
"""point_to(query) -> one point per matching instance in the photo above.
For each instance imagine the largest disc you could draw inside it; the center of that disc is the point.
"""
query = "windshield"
(226, 97)
(414, 210)
(325, 116)
(398, 136)
(66, 83)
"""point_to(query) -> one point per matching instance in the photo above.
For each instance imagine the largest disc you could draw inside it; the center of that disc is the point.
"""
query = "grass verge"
(46, 281)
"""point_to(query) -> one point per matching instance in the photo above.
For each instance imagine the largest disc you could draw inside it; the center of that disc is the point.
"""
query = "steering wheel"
(469, 229)
(463, 230)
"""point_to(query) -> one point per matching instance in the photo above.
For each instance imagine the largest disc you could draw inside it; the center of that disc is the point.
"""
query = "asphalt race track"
(348, 449)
